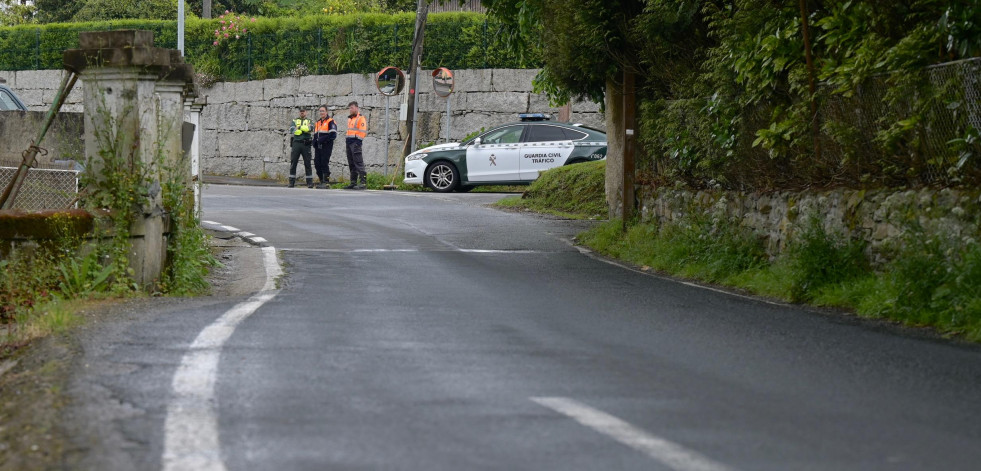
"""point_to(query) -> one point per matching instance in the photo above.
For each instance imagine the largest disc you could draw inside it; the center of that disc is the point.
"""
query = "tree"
(93, 10)
(16, 12)
(56, 11)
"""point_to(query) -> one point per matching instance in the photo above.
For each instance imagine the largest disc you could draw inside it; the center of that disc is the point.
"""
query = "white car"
(512, 154)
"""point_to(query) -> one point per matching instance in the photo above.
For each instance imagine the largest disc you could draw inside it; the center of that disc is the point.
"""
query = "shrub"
(818, 258)
(326, 44)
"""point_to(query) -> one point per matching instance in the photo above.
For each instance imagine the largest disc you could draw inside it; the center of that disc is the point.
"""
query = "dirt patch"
(31, 404)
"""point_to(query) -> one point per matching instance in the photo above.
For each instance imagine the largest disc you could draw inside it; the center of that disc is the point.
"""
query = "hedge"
(272, 47)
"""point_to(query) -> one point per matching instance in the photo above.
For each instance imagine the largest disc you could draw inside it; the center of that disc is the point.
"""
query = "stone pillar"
(133, 96)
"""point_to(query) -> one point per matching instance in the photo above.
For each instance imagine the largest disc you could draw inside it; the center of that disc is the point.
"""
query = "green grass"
(572, 191)
(929, 282)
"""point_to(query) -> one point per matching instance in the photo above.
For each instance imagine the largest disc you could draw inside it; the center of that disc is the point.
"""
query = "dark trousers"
(321, 160)
(355, 161)
(300, 148)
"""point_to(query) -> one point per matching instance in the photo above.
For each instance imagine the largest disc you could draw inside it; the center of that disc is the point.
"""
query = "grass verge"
(931, 282)
(572, 191)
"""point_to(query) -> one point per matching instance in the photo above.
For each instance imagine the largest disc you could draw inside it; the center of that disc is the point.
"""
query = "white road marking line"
(500, 251)
(665, 451)
(287, 249)
(478, 251)
(191, 426)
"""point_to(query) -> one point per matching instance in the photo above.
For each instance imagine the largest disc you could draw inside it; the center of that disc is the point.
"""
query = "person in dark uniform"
(300, 142)
(357, 130)
(324, 134)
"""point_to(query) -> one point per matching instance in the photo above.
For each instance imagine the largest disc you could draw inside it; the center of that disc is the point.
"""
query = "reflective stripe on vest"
(357, 127)
(324, 125)
(301, 126)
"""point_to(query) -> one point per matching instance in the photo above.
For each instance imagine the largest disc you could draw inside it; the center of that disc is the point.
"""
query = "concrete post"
(194, 117)
(133, 97)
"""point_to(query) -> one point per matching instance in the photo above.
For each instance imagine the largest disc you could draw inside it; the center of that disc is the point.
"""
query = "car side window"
(7, 101)
(505, 135)
(573, 135)
(545, 133)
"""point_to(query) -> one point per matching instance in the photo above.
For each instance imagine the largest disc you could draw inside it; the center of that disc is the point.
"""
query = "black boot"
(292, 182)
(362, 183)
(309, 182)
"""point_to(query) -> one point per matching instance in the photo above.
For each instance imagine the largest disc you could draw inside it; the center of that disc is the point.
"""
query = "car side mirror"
(476, 141)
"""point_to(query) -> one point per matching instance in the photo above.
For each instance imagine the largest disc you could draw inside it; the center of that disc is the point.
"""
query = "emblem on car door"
(493, 160)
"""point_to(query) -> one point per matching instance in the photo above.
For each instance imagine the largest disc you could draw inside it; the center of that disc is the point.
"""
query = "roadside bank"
(41, 415)
(907, 257)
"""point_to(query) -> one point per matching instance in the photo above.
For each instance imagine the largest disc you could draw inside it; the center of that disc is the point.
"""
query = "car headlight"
(416, 156)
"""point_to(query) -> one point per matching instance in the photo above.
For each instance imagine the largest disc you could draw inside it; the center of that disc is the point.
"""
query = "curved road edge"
(191, 424)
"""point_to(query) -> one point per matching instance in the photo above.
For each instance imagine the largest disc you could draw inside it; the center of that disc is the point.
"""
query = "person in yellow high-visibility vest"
(357, 130)
(301, 142)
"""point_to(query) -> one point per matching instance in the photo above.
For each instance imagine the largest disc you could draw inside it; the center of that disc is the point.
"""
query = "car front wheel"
(442, 177)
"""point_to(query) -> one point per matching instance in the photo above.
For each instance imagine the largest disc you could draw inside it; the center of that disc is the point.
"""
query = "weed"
(83, 275)
(931, 281)
(691, 247)
(819, 258)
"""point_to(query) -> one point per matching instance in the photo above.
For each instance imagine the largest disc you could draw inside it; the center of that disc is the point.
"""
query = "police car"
(512, 154)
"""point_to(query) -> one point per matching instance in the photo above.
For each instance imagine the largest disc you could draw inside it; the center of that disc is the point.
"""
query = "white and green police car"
(512, 154)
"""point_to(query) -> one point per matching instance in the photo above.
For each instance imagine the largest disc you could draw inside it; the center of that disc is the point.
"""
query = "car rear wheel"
(442, 177)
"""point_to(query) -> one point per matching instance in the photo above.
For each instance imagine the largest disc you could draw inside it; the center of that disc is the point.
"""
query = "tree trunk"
(205, 9)
(614, 153)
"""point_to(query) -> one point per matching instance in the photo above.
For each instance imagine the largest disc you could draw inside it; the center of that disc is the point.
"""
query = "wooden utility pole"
(812, 84)
(205, 9)
(629, 140)
(422, 9)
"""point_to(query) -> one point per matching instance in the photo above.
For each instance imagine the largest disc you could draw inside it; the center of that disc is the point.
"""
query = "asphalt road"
(429, 332)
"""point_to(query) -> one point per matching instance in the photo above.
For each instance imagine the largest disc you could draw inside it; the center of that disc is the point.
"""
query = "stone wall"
(244, 126)
(245, 123)
(63, 140)
(37, 89)
(881, 217)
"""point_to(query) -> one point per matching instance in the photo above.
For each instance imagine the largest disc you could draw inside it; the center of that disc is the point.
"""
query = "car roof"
(17, 102)
(593, 132)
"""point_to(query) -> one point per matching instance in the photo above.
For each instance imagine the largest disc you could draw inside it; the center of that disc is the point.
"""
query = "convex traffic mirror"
(443, 81)
(390, 81)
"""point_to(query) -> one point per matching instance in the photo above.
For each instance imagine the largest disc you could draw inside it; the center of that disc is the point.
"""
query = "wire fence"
(471, 42)
(43, 188)
(864, 134)
(914, 129)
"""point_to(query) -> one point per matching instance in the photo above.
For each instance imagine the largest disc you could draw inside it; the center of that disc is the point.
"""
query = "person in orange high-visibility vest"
(357, 130)
(324, 134)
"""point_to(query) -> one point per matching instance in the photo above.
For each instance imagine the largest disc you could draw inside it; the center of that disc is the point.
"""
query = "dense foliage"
(725, 86)
(272, 47)
(13, 12)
